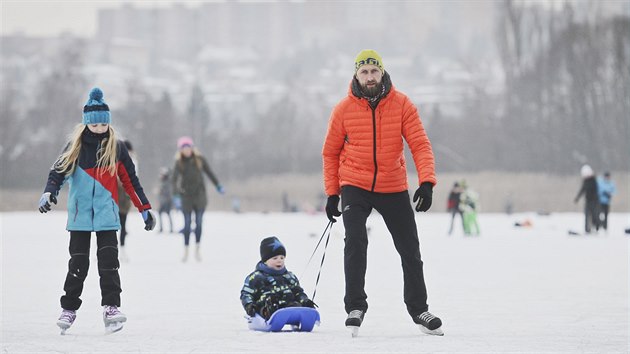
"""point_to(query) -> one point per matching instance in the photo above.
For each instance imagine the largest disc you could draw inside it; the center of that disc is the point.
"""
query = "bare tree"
(54, 108)
(563, 79)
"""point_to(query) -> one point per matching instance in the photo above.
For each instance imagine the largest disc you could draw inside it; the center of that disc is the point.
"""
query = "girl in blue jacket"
(92, 163)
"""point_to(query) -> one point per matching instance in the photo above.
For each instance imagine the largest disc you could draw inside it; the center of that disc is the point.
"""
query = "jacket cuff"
(144, 207)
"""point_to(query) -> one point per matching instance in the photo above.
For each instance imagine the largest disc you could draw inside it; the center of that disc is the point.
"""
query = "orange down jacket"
(364, 147)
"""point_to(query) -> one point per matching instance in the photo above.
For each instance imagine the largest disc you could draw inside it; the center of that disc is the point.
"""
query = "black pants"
(604, 209)
(123, 228)
(79, 264)
(166, 210)
(357, 204)
(591, 216)
(456, 211)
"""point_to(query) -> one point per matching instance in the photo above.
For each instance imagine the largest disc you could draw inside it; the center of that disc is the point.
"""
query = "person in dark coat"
(165, 197)
(452, 205)
(189, 185)
(124, 204)
(591, 206)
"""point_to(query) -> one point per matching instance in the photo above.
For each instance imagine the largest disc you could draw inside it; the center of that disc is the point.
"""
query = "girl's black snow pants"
(107, 255)
(357, 204)
(123, 228)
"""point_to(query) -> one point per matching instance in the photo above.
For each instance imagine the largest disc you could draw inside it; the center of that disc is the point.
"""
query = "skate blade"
(116, 319)
(113, 327)
(63, 326)
(435, 332)
(354, 330)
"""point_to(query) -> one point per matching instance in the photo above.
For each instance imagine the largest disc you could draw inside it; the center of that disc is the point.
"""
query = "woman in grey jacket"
(189, 185)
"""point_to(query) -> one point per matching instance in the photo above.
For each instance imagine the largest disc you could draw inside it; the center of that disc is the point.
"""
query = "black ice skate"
(354, 320)
(428, 323)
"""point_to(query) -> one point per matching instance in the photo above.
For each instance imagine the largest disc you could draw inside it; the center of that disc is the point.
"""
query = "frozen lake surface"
(511, 290)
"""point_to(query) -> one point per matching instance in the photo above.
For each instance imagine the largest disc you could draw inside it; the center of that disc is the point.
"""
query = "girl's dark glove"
(424, 196)
(149, 220)
(250, 309)
(44, 202)
(332, 207)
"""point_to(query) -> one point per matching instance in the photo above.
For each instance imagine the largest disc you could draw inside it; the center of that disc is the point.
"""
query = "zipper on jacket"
(374, 149)
(96, 175)
(94, 193)
(76, 210)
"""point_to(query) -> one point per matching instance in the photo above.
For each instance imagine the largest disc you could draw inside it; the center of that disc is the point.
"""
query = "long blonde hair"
(106, 155)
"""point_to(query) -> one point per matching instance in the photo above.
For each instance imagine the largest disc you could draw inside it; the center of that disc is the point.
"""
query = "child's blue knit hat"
(95, 109)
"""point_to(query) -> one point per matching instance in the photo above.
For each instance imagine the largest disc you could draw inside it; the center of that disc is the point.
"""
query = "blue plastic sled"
(301, 319)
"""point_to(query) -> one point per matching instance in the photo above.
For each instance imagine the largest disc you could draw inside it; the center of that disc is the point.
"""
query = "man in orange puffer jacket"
(364, 163)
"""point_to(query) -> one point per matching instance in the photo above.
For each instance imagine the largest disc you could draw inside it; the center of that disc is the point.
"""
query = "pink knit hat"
(184, 141)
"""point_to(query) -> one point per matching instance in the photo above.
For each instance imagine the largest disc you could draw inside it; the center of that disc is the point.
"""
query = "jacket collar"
(263, 268)
(354, 91)
(92, 138)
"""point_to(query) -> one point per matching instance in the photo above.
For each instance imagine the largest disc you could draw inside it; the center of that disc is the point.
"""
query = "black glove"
(309, 303)
(424, 196)
(149, 220)
(250, 309)
(332, 207)
(44, 202)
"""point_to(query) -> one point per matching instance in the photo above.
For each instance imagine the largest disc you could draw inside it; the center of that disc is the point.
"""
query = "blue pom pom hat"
(96, 110)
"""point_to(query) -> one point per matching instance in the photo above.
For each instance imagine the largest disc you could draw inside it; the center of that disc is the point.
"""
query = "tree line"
(566, 101)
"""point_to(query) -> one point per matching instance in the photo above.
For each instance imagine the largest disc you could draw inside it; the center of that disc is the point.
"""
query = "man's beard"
(371, 91)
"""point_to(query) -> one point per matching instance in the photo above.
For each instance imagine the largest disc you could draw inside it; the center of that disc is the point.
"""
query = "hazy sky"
(50, 18)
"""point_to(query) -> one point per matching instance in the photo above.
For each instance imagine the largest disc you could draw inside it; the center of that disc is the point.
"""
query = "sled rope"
(329, 229)
(318, 242)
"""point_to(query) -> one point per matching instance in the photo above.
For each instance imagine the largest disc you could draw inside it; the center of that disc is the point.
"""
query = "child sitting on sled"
(271, 286)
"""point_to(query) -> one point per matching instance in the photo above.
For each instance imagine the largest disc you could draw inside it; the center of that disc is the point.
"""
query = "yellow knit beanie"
(368, 56)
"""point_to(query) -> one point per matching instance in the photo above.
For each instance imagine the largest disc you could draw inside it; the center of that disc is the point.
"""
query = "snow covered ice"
(525, 290)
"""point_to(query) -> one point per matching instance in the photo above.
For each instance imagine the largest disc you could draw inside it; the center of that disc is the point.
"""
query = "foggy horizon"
(513, 87)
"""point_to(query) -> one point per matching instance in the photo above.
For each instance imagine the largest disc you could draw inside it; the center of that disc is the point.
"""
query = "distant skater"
(605, 189)
(189, 185)
(165, 197)
(591, 205)
(124, 204)
(469, 204)
(452, 205)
